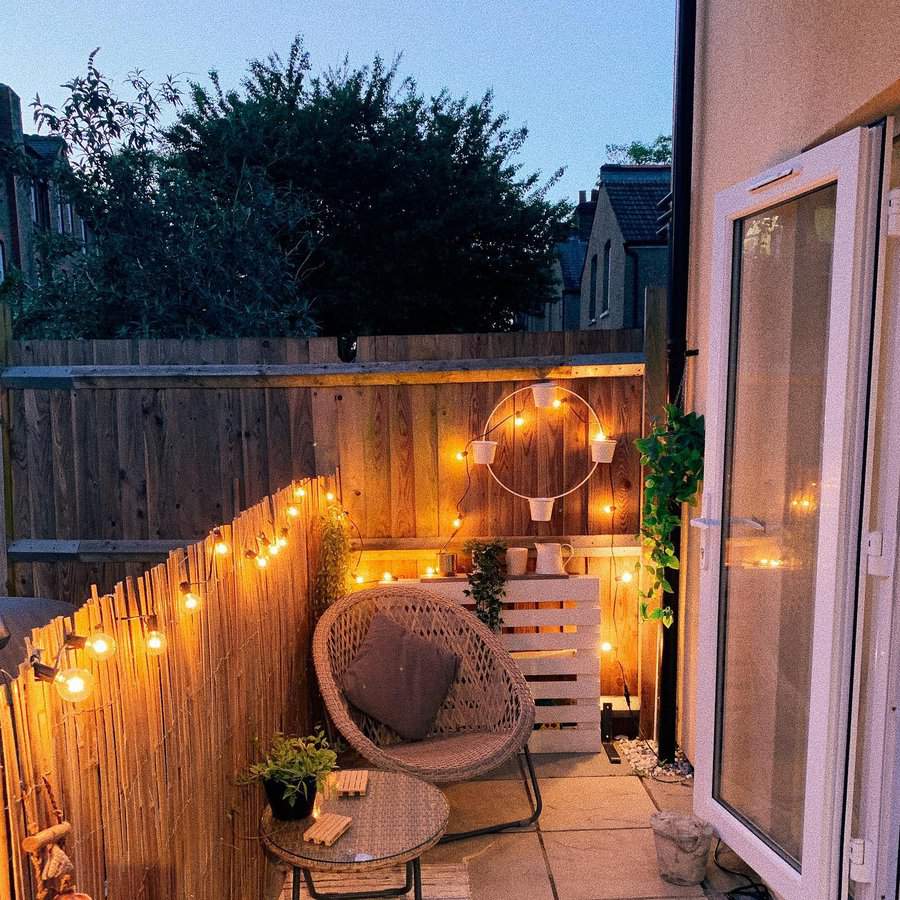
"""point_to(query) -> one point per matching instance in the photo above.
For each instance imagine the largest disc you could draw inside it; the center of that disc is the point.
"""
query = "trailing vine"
(333, 572)
(672, 455)
(487, 580)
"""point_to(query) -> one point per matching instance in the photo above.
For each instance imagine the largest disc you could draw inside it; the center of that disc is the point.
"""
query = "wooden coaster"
(328, 828)
(352, 782)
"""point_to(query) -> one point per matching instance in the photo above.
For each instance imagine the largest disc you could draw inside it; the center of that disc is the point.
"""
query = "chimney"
(582, 196)
(10, 115)
(595, 193)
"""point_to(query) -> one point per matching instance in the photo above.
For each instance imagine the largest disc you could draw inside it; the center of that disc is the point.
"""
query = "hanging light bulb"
(156, 642)
(460, 456)
(258, 558)
(330, 496)
(625, 577)
(606, 647)
(519, 421)
(189, 600)
(387, 577)
(74, 685)
(100, 645)
(457, 522)
(557, 403)
(299, 492)
(360, 579)
(220, 546)
(429, 572)
(293, 512)
(282, 539)
(609, 509)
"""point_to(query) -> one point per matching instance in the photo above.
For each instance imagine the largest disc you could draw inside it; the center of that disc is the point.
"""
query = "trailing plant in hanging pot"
(487, 580)
(333, 571)
(672, 456)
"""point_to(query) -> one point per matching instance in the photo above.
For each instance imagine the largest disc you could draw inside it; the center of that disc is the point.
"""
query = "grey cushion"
(399, 678)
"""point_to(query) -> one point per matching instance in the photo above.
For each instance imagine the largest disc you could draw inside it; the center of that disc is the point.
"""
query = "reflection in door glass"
(777, 366)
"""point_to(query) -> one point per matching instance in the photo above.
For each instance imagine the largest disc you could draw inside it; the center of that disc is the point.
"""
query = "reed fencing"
(145, 769)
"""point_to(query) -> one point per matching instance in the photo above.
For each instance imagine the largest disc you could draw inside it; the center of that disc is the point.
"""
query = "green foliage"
(487, 580)
(639, 153)
(672, 455)
(290, 761)
(333, 573)
(347, 202)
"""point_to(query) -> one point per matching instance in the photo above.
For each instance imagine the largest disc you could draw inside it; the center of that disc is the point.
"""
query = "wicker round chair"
(486, 718)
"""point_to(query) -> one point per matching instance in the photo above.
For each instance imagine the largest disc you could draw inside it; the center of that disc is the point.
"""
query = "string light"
(74, 685)
(156, 642)
(100, 646)
(429, 572)
(387, 577)
(557, 403)
(258, 558)
(189, 599)
(609, 509)
(360, 579)
(606, 647)
(293, 512)
(282, 539)
(457, 522)
(460, 455)
(519, 421)
(299, 492)
(625, 577)
(220, 546)
(330, 497)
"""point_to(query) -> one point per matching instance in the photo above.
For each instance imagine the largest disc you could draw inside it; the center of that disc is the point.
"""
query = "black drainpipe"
(676, 339)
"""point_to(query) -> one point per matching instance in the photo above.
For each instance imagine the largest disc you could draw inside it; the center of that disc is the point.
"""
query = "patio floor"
(593, 841)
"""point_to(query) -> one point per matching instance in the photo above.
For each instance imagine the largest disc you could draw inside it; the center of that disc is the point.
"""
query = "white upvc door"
(790, 343)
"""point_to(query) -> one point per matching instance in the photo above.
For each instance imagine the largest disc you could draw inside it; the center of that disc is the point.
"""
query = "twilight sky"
(580, 74)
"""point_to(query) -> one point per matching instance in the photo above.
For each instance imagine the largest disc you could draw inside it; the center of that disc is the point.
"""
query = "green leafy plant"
(333, 572)
(292, 762)
(672, 455)
(487, 580)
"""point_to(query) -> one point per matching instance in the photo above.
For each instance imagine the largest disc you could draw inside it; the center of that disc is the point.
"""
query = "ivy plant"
(487, 580)
(672, 456)
(333, 572)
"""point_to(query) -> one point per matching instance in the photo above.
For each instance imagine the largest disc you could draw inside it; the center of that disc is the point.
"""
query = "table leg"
(417, 878)
(295, 884)
(413, 879)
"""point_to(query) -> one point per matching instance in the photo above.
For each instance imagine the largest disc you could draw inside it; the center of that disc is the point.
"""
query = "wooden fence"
(120, 450)
(145, 768)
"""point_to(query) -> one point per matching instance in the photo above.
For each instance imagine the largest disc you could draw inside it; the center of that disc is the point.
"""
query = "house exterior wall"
(762, 96)
(605, 228)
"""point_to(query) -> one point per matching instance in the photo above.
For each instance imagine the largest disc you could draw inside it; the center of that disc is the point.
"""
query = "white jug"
(550, 558)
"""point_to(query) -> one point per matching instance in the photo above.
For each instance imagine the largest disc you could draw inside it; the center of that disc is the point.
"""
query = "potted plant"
(293, 770)
(487, 580)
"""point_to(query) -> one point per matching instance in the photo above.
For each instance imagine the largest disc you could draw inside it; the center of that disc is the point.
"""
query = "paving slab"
(612, 864)
(476, 804)
(572, 804)
(577, 765)
(671, 796)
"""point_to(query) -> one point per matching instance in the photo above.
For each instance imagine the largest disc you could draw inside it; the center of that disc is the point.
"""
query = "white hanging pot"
(541, 508)
(544, 394)
(484, 451)
(602, 449)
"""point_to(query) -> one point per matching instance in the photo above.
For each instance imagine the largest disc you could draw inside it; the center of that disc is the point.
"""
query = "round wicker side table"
(395, 822)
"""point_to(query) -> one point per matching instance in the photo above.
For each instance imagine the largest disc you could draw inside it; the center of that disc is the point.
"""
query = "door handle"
(746, 521)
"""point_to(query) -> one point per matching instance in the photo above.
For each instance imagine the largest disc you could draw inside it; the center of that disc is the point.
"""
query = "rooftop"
(634, 193)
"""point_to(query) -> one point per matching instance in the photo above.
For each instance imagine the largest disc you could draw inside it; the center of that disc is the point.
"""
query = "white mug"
(550, 558)
(516, 560)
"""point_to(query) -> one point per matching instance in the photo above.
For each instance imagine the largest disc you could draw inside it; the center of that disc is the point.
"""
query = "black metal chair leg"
(413, 876)
(537, 804)
(417, 878)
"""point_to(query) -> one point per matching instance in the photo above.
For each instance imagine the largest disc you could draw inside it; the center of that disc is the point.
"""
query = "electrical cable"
(757, 890)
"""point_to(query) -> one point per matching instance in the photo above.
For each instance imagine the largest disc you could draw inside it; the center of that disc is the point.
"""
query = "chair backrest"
(488, 691)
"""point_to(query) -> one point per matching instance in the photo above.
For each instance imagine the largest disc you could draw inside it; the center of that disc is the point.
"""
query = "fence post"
(655, 388)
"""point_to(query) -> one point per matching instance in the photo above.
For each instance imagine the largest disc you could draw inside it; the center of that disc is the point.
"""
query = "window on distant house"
(604, 299)
(2, 262)
(592, 297)
(40, 204)
(70, 219)
(60, 213)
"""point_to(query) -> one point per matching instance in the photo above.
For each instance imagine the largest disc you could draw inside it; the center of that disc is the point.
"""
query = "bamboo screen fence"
(145, 768)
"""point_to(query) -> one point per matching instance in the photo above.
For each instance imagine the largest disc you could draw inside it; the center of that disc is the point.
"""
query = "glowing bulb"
(386, 577)
(608, 509)
(273, 549)
(804, 503)
(457, 522)
(460, 456)
(519, 421)
(330, 497)
(293, 512)
(74, 685)
(429, 572)
(282, 540)
(606, 646)
(626, 577)
(220, 546)
(188, 598)
(261, 561)
(775, 563)
(557, 403)
(360, 579)
(100, 646)
(156, 643)
(299, 492)
(600, 435)
(764, 562)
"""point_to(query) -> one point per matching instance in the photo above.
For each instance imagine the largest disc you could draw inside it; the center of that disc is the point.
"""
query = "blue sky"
(580, 74)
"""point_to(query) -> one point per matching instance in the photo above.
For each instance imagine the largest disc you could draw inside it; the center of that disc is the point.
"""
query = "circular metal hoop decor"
(490, 467)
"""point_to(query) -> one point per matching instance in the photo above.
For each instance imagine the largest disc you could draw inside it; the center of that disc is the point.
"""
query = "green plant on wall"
(333, 572)
(487, 580)
(672, 456)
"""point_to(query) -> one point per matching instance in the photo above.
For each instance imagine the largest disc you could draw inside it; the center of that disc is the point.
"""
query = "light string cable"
(465, 454)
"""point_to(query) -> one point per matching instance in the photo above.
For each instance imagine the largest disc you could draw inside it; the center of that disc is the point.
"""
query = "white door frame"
(850, 161)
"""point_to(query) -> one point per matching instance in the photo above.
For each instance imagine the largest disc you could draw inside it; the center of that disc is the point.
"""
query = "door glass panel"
(770, 516)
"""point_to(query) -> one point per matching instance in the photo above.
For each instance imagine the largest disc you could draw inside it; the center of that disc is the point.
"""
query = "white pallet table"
(560, 657)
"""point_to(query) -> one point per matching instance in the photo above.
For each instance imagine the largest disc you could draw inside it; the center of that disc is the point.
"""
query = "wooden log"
(52, 835)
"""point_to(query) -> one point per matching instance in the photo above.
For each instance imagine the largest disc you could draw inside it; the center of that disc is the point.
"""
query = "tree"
(345, 202)
(423, 218)
(168, 257)
(638, 153)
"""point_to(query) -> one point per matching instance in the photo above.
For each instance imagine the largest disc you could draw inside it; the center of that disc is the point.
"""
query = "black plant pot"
(346, 347)
(282, 809)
